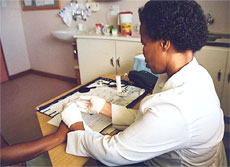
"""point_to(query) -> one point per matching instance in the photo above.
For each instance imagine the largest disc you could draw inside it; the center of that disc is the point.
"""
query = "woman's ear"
(165, 44)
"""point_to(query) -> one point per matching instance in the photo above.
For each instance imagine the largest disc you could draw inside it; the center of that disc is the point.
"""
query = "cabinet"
(226, 92)
(100, 56)
(217, 61)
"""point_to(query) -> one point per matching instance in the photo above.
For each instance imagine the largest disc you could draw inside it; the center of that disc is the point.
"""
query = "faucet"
(79, 12)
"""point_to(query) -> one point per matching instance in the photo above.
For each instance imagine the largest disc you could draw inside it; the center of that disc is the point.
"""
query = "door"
(4, 73)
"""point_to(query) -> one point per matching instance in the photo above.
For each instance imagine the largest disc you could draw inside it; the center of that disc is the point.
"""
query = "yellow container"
(126, 29)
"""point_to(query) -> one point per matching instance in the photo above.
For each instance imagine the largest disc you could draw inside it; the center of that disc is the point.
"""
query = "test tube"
(118, 83)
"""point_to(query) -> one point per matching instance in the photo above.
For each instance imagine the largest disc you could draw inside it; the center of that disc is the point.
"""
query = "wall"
(27, 41)
(46, 53)
(219, 9)
(13, 39)
(50, 55)
(3, 71)
(103, 16)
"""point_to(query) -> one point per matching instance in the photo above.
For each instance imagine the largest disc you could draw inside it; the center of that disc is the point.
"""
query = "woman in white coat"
(181, 123)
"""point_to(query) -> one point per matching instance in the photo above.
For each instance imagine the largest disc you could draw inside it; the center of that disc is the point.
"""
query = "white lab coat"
(181, 124)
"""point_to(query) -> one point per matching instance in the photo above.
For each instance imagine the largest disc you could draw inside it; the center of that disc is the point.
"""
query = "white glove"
(90, 104)
(71, 114)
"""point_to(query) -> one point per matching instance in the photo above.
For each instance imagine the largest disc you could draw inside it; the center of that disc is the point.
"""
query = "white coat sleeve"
(122, 117)
(147, 137)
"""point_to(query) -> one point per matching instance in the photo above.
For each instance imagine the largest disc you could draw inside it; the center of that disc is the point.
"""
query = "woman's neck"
(177, 61)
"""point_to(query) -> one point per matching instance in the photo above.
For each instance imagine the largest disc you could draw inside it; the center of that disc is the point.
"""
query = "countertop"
(119, 37)
(220, 42)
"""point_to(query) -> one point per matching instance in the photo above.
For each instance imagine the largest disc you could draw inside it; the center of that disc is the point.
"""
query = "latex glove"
(90, 104)
(71, 114)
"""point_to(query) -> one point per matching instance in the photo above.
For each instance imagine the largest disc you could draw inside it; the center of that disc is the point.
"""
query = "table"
(57, 155)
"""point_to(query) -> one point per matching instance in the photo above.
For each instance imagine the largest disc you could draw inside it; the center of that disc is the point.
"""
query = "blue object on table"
(140, 64)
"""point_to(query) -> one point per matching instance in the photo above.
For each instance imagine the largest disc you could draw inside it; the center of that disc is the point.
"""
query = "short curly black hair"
(180, 21)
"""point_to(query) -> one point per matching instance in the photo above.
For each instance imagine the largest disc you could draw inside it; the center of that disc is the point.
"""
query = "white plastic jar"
(98, 29)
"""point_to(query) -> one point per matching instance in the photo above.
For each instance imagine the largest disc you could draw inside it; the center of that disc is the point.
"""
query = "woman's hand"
(90, 104)
(71, 114)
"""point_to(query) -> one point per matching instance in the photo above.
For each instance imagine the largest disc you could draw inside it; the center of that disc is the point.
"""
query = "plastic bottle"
(98, 29)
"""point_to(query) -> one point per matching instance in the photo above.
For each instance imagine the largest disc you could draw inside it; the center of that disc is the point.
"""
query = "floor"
(19, 97)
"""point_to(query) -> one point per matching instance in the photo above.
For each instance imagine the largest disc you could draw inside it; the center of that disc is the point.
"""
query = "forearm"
(26, 151)
(120, 115)
(107, 110)
(95, 145)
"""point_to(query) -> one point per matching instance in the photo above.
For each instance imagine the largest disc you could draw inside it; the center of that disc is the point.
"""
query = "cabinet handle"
(111, 61)
(219, 75)
(228, 77)
(118, 61)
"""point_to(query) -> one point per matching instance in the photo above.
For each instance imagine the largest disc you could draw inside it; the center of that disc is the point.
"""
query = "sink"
(64, 35)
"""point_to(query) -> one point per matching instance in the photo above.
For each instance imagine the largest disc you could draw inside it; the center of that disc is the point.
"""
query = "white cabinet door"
(95, 58)
(214, 59)
(125, 52)
(225, 103)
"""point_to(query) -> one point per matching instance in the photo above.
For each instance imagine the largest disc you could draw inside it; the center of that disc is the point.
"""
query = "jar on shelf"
(126, 22)
(98, 29)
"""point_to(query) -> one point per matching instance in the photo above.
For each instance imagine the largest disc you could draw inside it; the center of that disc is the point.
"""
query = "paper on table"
(28, 2)
(49, 2)
(39, 2)
(107, 93)
(96, 122)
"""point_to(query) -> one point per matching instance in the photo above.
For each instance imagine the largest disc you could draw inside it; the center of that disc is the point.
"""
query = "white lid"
(126, 17)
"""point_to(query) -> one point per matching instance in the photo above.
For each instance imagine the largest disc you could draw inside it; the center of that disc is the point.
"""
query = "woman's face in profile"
(153, 52)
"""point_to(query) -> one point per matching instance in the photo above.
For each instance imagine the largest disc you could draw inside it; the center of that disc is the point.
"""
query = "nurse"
(181, 123)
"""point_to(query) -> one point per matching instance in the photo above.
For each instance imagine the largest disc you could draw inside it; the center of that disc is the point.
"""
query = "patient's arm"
(25, 151)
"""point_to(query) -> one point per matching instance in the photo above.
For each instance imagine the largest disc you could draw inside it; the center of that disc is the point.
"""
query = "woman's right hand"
(90, 104)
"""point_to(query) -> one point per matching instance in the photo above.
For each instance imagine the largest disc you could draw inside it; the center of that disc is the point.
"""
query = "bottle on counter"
(98, 29)
(114, 31)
